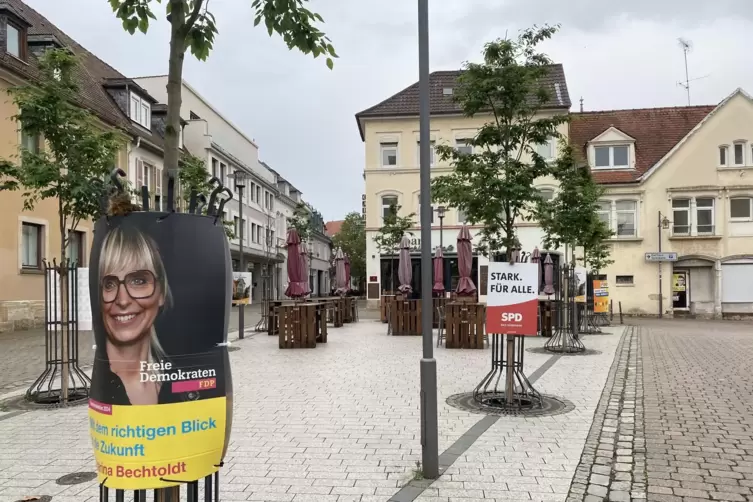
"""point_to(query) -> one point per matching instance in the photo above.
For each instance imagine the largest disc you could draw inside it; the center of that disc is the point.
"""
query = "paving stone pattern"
(341, 422)
(612, 466)
(698, 388)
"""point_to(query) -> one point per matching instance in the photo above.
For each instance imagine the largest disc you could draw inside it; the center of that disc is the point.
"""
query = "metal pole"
(241, 306)
(661, 300)
(429, 427)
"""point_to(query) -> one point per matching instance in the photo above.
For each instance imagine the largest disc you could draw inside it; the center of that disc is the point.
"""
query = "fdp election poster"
(161, 398)
(512, 303)
(601, 297)
(581, 275)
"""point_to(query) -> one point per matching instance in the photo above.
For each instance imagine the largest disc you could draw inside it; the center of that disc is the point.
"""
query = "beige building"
(28, 238)
(675, 174)
(390, 131)
(679, 180)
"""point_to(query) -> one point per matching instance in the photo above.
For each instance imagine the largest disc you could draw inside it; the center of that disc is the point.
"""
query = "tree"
(494, 185)
(302, 221)
(67, 152)
(571, 217)
(193, 176)
(390, 235)
(193, 27)
(352, 240)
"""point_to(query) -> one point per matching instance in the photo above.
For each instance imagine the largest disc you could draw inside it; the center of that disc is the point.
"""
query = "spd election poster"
(160, 406)
(513, 299)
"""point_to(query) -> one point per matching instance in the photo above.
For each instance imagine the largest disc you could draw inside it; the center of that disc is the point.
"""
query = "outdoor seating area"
(301, 325)
(465, 325)
(405, 317)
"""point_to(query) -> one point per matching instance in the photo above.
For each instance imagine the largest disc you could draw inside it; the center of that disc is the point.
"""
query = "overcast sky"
(615, 54)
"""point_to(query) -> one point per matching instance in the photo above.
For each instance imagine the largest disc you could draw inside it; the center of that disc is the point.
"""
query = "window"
(29, 142)
(389, 154)
(148, 173)
(251, 191)
(223, 174)
(611, 157)
(738, 150)
(431, 153)
(31, 246)
(141, 111)
(624, 280)
(704, 210)
(723, 153)
(76, 251)
(258, 234)
(193, 116)
(462, 146)
(681, 216)
(214, 167)
(462, 218)
(236, 228)
(546, 150)
(741, 208)
(605, 212)
(258, 194)
(626, 218)
(253, 232)
(546, 194)
(389, 203)
(13, 40)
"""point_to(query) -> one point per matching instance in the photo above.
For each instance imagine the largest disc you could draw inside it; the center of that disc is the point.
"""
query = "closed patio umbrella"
(438, 286)
(548, 275)
(404, 267)
(536, 258)
(347, 273)
(296, 287)
(340, 272)
(305, 266)
(465, 263)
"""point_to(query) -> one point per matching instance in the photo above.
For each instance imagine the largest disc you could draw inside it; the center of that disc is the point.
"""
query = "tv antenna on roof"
(687, 46)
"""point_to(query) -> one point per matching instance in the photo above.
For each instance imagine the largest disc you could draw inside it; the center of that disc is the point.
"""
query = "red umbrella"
(340, 272)
(404, 266)
(305, 266)
(438, 271)
(296, 286)
(465, 263)
(347, 273)
(548, 275)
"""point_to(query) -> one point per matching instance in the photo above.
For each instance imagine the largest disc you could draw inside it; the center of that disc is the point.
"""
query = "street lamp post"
(440, 214)
(663, 225)
(429, 432)
(240, 177)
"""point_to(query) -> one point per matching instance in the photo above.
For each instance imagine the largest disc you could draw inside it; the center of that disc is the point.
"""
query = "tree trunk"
(174, 86)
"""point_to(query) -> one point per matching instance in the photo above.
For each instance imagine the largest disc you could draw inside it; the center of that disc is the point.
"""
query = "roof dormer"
(132, 100)
(611, 150)
(40, 43)
(13, 31)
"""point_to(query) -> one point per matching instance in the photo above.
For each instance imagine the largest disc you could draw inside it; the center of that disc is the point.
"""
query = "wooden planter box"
(406, 318)
(301, 325)
(464, 325)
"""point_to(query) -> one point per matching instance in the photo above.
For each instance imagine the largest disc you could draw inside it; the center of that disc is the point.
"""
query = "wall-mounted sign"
(373, 278)
(160, 407)
(513, 299)
(661, 257)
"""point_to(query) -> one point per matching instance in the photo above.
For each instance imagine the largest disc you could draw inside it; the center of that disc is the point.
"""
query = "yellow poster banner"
(601, 297)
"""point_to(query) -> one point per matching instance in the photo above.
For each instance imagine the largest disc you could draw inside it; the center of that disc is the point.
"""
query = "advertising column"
(160, 407)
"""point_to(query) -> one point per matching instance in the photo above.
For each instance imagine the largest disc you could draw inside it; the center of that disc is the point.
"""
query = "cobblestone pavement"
(341, 423)
(675, 422)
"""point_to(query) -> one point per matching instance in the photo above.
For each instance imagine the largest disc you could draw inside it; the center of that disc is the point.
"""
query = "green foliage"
(352, 240)
(302, 221)
(494, 184)
(393, 230)
(74, 150)
(288, 18)
(571, 216)
(193, 175)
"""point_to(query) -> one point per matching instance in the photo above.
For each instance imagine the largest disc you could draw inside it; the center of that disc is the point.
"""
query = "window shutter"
(139, 174)
(158, 184)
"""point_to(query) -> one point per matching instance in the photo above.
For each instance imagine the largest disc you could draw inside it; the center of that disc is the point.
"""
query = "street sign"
(661, 256)
(513, 299)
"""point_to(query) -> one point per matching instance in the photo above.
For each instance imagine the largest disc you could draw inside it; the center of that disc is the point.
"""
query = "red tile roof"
(333, 227)
(655, 130)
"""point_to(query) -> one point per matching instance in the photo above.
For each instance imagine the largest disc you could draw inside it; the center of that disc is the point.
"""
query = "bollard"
(620, 306)
(611, 310)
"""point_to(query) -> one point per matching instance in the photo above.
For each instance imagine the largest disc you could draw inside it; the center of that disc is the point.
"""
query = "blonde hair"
(128, 247)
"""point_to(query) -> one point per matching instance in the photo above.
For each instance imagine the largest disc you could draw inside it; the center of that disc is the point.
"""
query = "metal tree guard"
(507, 361)
(565, 338)
(211, 483)
(47, 388)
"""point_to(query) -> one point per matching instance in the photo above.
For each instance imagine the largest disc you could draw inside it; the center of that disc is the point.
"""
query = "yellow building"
(390, 131)
(676, 179)
(27, 238)
(680, 181)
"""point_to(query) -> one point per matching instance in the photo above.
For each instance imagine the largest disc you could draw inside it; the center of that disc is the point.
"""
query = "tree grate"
(76, 478)
(549, 406)
(543, 350)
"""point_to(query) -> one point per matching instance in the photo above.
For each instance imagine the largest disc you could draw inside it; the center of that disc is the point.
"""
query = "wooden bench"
(302, 325)
(464, 325)
(406, 317)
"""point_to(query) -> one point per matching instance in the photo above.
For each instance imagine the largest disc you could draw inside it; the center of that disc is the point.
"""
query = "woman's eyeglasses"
(139, 285)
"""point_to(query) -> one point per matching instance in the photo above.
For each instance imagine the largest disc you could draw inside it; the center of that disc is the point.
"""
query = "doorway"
(680, 290)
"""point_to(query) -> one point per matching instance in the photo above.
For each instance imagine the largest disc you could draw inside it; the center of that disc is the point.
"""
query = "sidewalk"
(345, 417)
